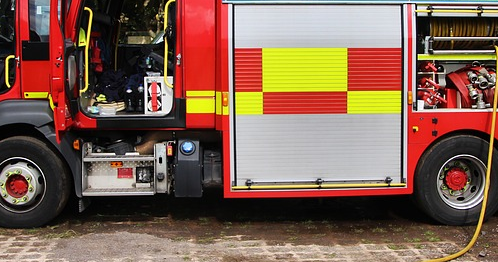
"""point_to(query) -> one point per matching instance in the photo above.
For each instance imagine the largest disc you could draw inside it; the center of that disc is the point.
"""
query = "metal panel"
(317, 26)
(295, 148)
(161, 178)
(101, 175)
(304, 121)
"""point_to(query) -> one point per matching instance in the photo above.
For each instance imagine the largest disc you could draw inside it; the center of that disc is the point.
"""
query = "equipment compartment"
(456, 57)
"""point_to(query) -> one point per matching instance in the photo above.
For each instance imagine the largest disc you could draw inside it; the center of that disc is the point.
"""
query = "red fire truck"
(265, 99)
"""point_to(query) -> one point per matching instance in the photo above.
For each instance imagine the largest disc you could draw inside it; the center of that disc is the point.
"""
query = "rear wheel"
(450, 179)
(34, 185)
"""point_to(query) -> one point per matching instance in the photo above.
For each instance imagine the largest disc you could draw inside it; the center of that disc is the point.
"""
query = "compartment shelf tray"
(456, 57)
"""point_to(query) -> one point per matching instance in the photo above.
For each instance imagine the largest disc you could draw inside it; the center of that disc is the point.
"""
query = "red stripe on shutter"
(305, 103)
(374, 69)
(248, 70)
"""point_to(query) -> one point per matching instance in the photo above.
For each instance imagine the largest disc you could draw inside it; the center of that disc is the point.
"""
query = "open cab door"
(59, 86)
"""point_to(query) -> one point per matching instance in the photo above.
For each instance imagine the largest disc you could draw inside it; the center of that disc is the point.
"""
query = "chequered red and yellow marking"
(318, 81)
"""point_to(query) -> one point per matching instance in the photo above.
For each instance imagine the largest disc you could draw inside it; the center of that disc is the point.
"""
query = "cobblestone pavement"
(124, 246)
(213, 229)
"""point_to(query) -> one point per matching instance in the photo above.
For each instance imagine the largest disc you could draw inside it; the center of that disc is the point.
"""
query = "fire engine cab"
(262, 98)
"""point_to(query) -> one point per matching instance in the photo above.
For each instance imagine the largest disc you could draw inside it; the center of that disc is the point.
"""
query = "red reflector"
(125, 172)
(155, 94)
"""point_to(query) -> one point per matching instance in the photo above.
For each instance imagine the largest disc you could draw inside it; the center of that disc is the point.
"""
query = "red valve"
(430, 96)
(428, 67)
(428, 82)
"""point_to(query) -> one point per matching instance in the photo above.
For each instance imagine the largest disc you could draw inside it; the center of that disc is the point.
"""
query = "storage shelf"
(456, 57)
(431, 73)
(109, 158)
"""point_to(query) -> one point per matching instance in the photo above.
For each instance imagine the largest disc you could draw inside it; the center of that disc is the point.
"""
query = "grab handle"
(7, 73)
(166, 8)
(87, 46)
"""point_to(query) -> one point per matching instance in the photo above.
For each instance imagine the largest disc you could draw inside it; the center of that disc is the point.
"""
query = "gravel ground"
(216, 229)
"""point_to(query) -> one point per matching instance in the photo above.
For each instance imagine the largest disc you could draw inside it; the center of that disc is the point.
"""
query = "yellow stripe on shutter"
(305, 69)
(374, 102)
(249, 103)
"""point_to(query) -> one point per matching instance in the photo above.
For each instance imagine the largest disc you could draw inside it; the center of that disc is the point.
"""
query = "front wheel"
(34, 185)
(450, 179)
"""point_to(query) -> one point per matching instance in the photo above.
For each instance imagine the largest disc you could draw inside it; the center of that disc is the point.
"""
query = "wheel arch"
(428, 152)
(34, 118)
(455, 133)
(468, 132)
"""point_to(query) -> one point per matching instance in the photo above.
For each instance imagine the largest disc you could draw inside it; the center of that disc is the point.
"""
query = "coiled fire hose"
(462, 27)
(486, 185)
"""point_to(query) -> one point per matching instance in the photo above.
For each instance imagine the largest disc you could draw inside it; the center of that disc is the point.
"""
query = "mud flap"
(188, 170)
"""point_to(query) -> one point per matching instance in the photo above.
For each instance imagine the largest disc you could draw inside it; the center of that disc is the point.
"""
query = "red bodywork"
(203, 42)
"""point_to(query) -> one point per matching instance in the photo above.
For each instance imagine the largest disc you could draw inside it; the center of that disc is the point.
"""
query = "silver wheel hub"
(20, 183)
(461, 181)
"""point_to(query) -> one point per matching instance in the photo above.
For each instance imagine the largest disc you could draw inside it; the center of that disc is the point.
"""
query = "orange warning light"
(169, 150)
(117, 164)
(225, 98)
(76, 144)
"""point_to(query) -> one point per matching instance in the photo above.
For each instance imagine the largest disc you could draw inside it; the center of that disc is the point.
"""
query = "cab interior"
(119, 59)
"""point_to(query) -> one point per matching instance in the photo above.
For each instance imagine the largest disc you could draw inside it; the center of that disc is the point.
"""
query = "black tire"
(42, 188)
(450, 179)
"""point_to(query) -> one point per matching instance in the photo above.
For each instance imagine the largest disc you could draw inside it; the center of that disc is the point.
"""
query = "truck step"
(118, 191)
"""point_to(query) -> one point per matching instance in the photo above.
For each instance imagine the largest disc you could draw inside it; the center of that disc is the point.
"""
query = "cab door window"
(141, 21)
(36, 48)
(39, 20)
